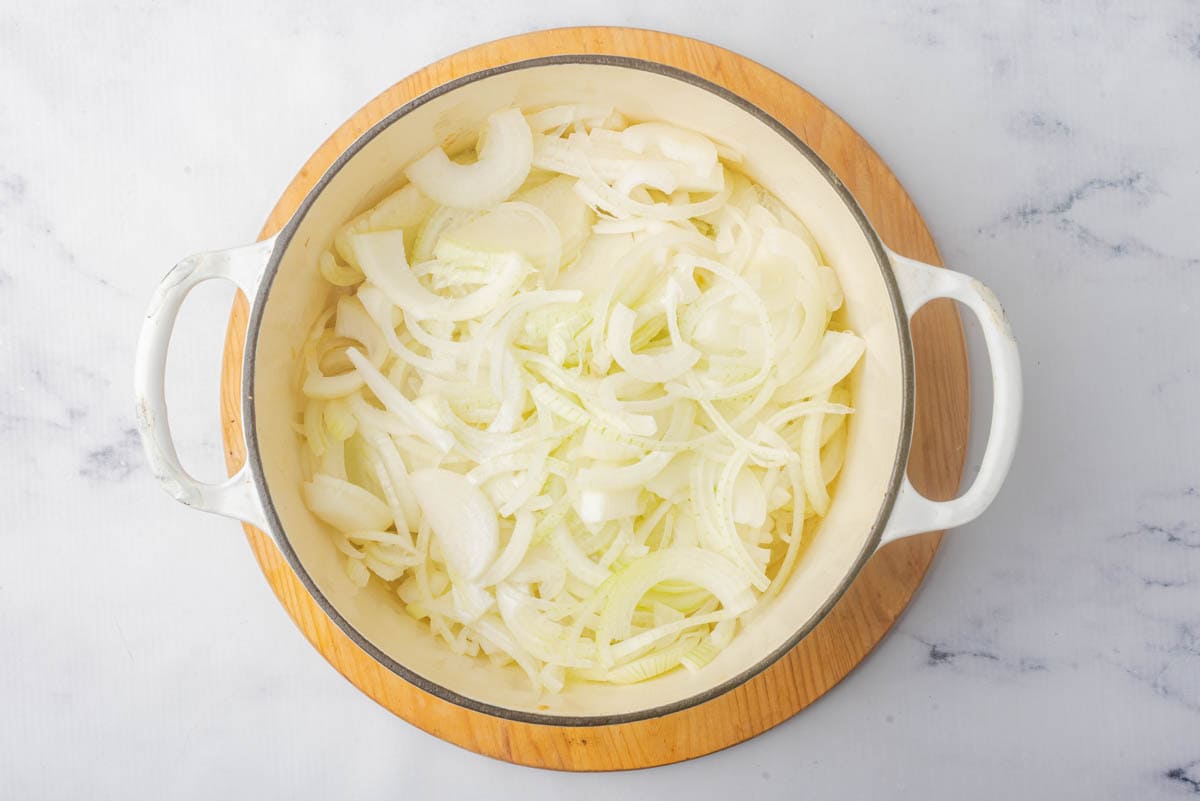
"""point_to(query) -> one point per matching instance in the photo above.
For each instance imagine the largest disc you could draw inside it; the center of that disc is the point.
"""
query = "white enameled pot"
(874, 503)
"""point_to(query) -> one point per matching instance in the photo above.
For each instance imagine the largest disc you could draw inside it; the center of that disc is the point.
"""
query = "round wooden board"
(882, 590)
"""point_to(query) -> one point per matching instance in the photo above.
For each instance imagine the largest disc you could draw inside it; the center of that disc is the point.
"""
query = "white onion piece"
(810, 460)
(540, 637)
(504, 161)
(575, 560)
(471, 602)
(513, 553)
(671, 483)
(405, 208)
(677, 144)
(596, 506)
(838, 353)
(462, 520)
(353, 322)
(439, 222)
(382, 313)
(595, 446)
(514, 227)
(345, 506)
(326, 387)
(637, 643)
(693, 565)
(382, 258)
(656, 368)
(749, 500)
(612, 201)
(572, 217)
(562, 116)
(397, 404)
(626, 476)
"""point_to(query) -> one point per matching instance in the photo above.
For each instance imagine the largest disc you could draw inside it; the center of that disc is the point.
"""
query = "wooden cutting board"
(882, 590)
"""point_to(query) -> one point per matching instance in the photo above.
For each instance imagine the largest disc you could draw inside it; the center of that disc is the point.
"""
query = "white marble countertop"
(1054, 651)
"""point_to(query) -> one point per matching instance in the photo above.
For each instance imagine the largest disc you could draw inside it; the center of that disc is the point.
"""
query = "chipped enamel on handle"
(913, 513)
(244, 266)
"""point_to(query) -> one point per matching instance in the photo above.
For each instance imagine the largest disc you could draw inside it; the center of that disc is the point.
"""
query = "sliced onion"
(572, 217)
(839, 352)
(325, 387)
(694, 565)
(513, 553)
(397, 404)
(810, 461)
(597, 506)
(604, 395)
(345, 506)
(627, 476)
(382, 257)
(575, 560)
(353, 322)
(562, 116)
(749, 500)
(537, 635)
(381, 312)
(504, 161)
(675, 143)
(461, 517)
(655, 368)
(514, 227)
(405, 208)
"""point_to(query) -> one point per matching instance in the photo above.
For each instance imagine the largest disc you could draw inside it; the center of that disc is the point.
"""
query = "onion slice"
(504, 161)
(345, 506)
(381, 255)
(654, 368)
(461, 517)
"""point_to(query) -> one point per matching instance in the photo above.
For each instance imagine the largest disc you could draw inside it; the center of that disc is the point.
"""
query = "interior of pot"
(374, 616)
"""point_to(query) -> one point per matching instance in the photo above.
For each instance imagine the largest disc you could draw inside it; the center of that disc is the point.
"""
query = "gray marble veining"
(1054, 651)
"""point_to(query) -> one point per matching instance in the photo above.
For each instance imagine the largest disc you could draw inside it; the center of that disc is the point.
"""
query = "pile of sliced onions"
(576, 400)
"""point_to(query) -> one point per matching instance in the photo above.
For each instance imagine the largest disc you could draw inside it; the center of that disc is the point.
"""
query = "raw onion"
(579, 399)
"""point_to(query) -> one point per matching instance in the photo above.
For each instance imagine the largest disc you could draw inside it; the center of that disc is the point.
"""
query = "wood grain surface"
(880, 593)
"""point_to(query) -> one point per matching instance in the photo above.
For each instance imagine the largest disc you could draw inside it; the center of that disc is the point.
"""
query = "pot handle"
(913, 513)
(244, 266)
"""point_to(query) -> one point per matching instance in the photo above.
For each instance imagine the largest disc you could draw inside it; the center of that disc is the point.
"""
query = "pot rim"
(250, 428)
